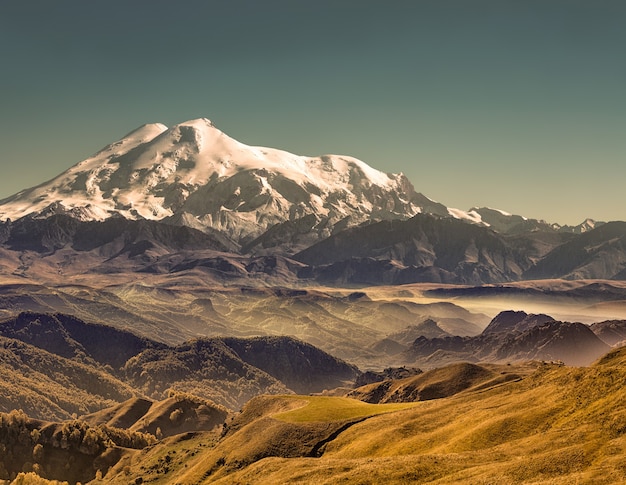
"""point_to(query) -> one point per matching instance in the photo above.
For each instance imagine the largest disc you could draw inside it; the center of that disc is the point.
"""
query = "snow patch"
(471, 216)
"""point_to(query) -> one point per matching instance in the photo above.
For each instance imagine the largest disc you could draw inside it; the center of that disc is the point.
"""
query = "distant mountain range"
(160, 198)
(424, 248)
(517, 336)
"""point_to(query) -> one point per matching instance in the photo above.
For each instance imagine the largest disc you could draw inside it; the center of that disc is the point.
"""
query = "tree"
(176, 415)
(38, 452)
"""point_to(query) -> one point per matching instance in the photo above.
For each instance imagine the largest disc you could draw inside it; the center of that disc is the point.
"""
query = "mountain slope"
(48, 386)
(257, 201)
(299, 365)
(71, 338)
(506, 223)
(613, 332)
(433, 384)
(596, 254)
(552, 424)
(423, 248)
(429, 248)
(72, 451)
(111, 238)
(178, 413)
(536, 423)
(188, 305)
(515, 321)
(208, 368)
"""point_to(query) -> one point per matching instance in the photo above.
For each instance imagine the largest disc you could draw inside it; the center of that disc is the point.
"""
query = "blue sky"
(518, 105)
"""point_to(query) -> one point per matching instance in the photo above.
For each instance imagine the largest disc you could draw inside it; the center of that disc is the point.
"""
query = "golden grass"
(163, 463)
(326, 409)
(557, 426)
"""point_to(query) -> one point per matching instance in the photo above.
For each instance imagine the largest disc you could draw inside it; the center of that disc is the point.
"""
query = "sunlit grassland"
(324, 409)
(557, 426)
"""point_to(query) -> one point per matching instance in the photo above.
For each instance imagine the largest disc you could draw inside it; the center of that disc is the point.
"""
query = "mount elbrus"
(193, 174)
(344, 220)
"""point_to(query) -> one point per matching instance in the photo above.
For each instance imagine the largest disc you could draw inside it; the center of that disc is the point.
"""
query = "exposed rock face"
(112, 237)
(596, 254)
(424, 248)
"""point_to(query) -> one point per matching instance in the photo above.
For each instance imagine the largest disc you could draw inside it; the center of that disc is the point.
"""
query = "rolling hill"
(553, 424)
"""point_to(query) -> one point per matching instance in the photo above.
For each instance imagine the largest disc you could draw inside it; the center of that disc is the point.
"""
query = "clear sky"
(513, 104)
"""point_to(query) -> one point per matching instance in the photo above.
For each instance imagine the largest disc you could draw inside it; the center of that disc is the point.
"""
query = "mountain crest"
(515, 321)
(195, 173)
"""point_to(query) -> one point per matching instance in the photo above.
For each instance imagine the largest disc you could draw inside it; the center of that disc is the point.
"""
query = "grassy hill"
(536, 422)
(438, 383)
(553, 425)
(178, 413)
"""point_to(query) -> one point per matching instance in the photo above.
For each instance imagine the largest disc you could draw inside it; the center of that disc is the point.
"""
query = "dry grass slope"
(327, 409)
(557, 425)
(437, 383)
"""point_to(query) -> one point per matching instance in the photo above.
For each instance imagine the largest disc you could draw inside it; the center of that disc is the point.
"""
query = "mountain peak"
(147, 131)
(193, 168)
(198, 122)
(515, 321)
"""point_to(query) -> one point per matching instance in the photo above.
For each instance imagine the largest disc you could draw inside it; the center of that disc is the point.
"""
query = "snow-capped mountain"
(585, 226)
(193, 174)
(503, 222)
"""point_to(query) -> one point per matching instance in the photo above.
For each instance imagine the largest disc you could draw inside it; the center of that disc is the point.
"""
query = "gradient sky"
(513, 104)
